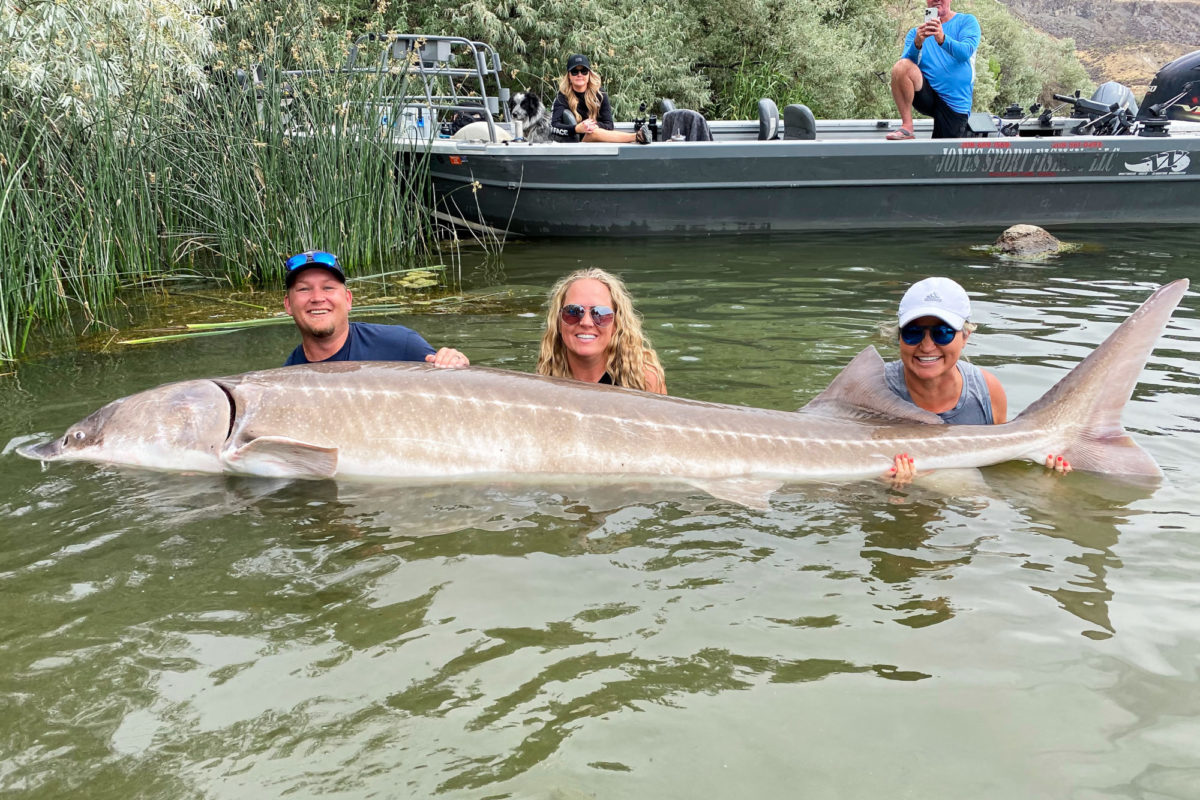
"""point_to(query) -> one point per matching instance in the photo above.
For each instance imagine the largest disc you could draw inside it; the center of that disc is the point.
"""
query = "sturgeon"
(400, 421)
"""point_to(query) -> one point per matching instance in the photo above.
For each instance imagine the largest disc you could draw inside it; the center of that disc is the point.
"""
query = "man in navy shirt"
(319, 302)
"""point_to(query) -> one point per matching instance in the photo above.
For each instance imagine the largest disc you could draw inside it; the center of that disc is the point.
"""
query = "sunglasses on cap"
(580, 71)
(573, 314)
(942, 334)
(312, 257)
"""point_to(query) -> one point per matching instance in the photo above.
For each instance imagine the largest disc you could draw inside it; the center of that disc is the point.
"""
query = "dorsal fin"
(860, 392)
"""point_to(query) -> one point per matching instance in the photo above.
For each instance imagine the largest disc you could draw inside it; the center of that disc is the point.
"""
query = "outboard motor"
(1175, 93)
(1115, 93)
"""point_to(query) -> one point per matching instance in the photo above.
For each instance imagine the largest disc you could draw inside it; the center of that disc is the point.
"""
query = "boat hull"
(730, 187)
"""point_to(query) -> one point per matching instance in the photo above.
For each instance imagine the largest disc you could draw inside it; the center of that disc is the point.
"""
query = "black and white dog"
(535, 119)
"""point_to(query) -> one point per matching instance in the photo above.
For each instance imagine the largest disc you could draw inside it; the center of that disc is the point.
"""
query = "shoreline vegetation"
(153, 146)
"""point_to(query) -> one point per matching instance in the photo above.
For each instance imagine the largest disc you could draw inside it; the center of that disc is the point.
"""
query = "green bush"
(721, 56)
(1017, 64)
(136, 173)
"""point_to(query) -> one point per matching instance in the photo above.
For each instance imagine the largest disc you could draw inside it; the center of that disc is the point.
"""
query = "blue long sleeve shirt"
(950, 66)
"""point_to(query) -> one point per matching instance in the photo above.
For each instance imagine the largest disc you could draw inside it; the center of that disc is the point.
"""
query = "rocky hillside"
(1121, 40)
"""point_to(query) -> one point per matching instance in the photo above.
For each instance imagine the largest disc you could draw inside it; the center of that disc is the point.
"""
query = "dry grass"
(1134, 66)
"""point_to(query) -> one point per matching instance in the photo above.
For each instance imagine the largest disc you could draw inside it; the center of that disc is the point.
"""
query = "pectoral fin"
(281, 457)
(743, 491)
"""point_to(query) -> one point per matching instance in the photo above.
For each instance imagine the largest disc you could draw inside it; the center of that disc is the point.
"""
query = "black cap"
(312, 259)
(578, 60)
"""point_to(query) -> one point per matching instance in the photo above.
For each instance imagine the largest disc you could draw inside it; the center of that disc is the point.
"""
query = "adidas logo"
(932, 297)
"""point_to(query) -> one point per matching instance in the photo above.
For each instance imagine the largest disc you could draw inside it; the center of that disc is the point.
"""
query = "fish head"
(179, 426)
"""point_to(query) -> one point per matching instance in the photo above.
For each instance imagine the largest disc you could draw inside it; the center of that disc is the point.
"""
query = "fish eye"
(79, 436)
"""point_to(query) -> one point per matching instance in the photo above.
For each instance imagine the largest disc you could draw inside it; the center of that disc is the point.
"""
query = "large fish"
(404, 421)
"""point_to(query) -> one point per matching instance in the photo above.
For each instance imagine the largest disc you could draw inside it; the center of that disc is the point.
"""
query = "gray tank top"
(974, 405)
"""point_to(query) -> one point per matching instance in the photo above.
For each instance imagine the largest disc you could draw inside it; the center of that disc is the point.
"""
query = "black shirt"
(560, 131)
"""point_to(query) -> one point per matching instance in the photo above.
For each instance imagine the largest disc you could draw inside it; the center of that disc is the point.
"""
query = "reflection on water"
(177, 636)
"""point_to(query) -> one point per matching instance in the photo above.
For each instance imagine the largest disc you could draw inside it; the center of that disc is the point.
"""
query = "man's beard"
(323, 332)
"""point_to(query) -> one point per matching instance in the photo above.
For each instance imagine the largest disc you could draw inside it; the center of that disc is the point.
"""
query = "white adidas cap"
(936, 297)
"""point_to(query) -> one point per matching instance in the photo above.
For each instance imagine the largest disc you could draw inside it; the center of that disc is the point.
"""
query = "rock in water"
(1027, 241)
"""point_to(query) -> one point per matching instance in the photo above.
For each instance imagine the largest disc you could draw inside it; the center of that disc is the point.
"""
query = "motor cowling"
(1111, 93)
(1170, 81)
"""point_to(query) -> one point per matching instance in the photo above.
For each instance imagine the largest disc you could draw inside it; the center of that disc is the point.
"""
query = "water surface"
(994, 634)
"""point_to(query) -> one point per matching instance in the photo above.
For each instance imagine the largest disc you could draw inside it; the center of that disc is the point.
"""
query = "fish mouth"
(46, 451)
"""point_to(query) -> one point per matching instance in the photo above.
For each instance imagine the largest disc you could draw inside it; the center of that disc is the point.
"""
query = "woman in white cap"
(933, 331)
(581, 110)
(934, 327)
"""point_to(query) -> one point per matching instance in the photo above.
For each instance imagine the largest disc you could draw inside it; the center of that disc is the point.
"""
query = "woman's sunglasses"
(580, 71)
(573, 314)
(942, 334)
(311, 257)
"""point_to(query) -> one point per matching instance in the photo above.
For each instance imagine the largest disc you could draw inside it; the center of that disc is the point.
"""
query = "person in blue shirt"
(319, 302)
(936, 73)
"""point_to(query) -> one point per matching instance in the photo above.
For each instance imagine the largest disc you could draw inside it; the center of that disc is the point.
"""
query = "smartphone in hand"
(931, 14)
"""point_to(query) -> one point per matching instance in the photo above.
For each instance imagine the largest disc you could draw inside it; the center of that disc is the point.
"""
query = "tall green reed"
(218, 184)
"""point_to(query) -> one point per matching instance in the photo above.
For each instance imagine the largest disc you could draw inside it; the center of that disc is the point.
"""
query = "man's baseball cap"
(578, 60)
(309, 259)
(936, 297)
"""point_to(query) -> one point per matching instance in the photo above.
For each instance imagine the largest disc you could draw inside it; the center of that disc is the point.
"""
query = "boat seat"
(799, 122)
(667, 106)
(687, 125)
(479, 132)
(768, 120)
(981, 124)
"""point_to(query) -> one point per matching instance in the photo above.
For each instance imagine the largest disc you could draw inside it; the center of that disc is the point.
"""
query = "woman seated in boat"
(581, 110)
(933, 330)
(594, 335)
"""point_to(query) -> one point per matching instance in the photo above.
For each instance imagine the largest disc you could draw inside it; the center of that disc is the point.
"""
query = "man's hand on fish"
(448, 357)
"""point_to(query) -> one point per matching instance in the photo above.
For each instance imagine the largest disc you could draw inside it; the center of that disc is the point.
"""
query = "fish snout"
(46, 451)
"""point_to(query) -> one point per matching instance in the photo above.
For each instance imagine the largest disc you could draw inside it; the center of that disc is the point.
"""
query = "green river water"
(1004, 633)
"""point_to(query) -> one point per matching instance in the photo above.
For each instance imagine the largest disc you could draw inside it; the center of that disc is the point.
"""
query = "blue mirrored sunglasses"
(942, 334)
(311, 257)
(573, 314)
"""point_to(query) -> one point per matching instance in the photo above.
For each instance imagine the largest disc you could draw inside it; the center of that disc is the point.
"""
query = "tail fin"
(1087, 403)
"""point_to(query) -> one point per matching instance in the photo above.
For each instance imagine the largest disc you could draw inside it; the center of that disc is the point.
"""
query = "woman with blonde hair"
(594, 335)
(581, 110)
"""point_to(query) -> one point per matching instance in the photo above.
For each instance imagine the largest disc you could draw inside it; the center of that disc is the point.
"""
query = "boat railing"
(448, 82)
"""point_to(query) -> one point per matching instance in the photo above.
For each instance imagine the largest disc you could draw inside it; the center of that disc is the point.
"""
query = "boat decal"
(1000, 159)
(1169, 162)
(456, 160)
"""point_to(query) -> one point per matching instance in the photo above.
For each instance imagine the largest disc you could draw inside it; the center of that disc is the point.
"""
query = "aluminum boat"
(1089, 161)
